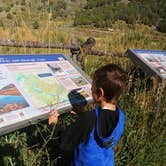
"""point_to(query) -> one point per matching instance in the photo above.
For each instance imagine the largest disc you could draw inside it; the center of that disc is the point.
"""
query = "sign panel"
(152, 61)
(31, 85)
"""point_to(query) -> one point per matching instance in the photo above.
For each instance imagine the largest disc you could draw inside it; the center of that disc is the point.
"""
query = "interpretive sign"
(31, 85)
(152, 61)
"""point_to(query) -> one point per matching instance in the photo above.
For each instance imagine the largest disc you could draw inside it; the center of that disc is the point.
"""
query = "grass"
(144, 102)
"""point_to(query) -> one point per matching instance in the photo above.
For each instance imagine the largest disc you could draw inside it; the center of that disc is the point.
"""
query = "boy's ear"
(101, 93)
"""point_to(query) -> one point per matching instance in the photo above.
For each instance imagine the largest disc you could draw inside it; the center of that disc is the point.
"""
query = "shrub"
(7, 9)
(9, 16)
(14, 12)
(23, 9)
(162, 26)
(1, 23)
(1, 9)
(11, 5)
(35, 24)
(17, 2)
(23, 2)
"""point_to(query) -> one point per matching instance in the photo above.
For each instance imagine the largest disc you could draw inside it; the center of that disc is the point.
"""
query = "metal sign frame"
(41, 58)
(151, 61)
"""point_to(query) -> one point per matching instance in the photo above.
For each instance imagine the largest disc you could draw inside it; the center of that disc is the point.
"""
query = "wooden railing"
(36, 44)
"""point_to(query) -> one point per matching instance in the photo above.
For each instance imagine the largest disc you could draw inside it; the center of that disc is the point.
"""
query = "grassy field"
(144, 102)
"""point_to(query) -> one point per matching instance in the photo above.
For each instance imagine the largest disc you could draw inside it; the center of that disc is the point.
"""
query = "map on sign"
(43, 88)
(31, 85)
(152, 61)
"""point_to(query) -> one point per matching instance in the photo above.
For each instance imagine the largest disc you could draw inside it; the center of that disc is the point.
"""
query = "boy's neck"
(109, 106)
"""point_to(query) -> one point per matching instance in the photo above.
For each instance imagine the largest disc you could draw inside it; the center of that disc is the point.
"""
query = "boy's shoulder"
(87, 116)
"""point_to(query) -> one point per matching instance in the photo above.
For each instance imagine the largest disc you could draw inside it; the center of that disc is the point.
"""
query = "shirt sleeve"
(78, 131)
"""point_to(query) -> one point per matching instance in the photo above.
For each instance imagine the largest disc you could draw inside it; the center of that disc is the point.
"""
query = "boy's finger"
(72, 112)
(54, 112)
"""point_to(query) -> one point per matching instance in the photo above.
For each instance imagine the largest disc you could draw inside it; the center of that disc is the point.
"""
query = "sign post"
(31, 85)
(154, 63)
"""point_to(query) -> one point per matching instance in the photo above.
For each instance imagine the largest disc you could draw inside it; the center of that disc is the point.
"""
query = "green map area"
(42, 91)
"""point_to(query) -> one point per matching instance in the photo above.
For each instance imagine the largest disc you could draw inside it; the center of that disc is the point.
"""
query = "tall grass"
(144, 102)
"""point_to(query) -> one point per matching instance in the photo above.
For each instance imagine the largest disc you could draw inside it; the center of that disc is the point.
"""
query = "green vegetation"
(144, 103)
(162, 26)
(35, 25)
(104, 13)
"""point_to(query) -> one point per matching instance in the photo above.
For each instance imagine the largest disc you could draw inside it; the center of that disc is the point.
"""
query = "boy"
(95, 133)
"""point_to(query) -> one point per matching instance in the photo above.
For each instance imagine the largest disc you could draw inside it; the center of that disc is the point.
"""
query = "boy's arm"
(78, 131)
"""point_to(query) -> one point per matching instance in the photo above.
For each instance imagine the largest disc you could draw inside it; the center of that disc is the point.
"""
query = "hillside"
(104, 13)
(16, 13)
(57, 21)
(97, 13)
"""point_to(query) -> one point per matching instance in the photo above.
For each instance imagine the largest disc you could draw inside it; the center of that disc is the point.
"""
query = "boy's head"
(109, 83)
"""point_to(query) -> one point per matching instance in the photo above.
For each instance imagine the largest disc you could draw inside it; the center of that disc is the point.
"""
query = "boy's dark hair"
(111, 78)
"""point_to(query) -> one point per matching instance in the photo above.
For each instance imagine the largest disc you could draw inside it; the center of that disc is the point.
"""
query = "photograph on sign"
(30, 85)
(11, 99)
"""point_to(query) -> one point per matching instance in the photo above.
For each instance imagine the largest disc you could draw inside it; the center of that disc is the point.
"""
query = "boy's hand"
(53, 118)
(73, 112)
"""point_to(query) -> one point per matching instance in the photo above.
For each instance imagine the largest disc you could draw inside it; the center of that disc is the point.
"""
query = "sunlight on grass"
(144, 101)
